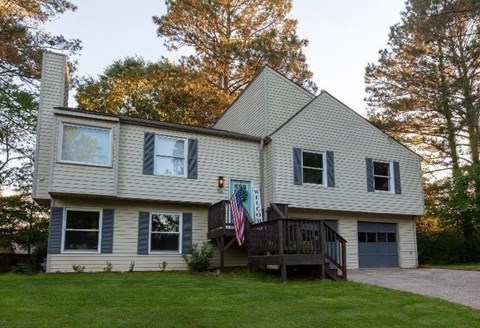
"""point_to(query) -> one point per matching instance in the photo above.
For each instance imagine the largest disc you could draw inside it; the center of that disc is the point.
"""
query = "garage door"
(377, 245)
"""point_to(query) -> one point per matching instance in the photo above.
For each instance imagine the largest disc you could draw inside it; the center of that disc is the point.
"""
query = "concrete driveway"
(462, 287)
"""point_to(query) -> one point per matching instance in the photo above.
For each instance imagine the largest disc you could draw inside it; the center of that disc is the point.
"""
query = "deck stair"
(282, 241)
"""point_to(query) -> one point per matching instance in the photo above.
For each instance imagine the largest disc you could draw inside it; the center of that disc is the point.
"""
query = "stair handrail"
(338, 259)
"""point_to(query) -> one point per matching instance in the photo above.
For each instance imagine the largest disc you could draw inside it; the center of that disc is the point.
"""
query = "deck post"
(281, 248)
(222, 253)
(323, 244)
(344, 261)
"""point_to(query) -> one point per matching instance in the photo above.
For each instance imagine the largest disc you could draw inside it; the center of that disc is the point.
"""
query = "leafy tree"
(159, 91)
(425, 91)
(424, 88)
(231, 41)
(23, 223)
(22, 42)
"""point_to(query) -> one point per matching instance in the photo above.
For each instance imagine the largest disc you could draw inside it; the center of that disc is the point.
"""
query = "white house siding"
(248, 113)
(284, 99)
(125, 238)
(327, 125)
(84, 179)
(348, 229)
(268, 101)
(52, 94)
(217, 156)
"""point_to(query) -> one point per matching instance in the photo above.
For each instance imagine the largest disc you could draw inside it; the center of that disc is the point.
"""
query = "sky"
(344, 36)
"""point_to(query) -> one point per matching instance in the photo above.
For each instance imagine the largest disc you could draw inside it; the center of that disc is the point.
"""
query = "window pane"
(371, 237)
(86, 145)
(164, 242)
(170, 147)
(169, 166)
(380, 168)
(165, 223)
(82, 220)
(312, 160)
(381, 237)
(392, 237)
(312, 176)
(81, 240)
(382, 184)
(362, 238)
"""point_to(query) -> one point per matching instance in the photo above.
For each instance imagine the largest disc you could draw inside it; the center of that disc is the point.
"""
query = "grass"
(174, 299)
(462, 266)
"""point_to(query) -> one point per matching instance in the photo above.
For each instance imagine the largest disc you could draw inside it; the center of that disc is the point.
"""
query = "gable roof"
(263, 70)
(324, 94)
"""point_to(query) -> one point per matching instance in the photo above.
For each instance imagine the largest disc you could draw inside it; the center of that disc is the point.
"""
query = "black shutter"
(396, 176)
(148, 153)
(186, 232)
(192, 162)
(107, 231)
(297, 166)
(370, 183)
(55, 230)
(143, 231)
(330, 169)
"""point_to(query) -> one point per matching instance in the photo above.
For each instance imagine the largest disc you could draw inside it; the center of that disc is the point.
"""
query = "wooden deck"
(283, 241)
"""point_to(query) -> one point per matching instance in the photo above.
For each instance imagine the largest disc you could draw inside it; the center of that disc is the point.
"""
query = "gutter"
(262, 183)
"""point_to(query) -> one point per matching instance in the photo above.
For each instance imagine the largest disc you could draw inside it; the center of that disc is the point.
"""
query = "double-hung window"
(82, 230)
(313, 167)
(165, 232)
(382, 176)
(170, 156)
(85, 145)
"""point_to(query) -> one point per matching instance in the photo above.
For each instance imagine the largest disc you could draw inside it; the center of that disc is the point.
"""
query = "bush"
(198, 259)
(447, 247)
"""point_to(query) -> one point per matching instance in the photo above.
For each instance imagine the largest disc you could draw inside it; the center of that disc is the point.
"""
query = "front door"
(246, 185)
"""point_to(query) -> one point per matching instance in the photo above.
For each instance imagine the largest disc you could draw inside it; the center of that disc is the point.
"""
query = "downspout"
(262, 184)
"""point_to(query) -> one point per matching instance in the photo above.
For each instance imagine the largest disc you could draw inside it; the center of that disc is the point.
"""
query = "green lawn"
(172, 299)
(467, 266)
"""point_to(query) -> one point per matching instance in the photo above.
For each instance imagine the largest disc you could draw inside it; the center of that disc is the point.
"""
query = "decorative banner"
(257, 206)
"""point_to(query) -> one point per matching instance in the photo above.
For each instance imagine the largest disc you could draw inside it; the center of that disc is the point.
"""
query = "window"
(82, 230)
(382, 176)
(170, 156)
(313, 167)
(85, 145)
(165, 232)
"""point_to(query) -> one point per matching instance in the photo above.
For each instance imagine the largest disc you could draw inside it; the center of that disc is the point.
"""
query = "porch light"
(221, 182)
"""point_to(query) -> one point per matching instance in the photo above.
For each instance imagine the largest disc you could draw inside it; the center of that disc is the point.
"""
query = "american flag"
(236, 209)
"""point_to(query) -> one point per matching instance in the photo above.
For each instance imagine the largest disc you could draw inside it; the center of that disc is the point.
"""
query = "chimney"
(53, 93)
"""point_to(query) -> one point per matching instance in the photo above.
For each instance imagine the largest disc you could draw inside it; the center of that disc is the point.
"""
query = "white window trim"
(324, 169)
(100, 226)
(180, 233)
(185, 156)
(60, 145)
(391, 178)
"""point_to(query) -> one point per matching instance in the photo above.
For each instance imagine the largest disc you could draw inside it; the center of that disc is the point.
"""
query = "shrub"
(198, 259)
(163, 265)
(447, 247)
(108, 267)
(78, 268)
(131, 267)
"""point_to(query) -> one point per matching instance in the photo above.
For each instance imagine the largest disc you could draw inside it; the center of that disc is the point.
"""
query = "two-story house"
(128, 190)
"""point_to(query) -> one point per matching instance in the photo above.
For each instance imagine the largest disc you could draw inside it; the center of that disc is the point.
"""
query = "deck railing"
(218, 216)
(336, 249)
(298, 236)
